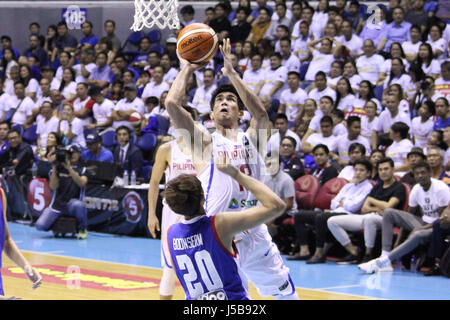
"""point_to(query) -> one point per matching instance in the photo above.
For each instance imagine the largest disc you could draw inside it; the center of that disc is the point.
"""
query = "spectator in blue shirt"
(36, 50)
(443, 113)
(7, 44)
(64, 41)
(140, 61)
(101, 76)
(95, 150)
(89, 39)
(397, 31)
(261, 4)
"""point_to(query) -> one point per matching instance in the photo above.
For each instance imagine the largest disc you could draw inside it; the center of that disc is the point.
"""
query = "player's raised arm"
(230, 223)
(180, 117)
(251, 101)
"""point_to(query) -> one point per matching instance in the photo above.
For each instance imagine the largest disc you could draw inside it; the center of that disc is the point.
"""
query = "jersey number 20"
(208, 273)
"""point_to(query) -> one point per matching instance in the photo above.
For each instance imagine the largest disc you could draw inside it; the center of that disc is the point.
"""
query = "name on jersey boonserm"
(193, 241)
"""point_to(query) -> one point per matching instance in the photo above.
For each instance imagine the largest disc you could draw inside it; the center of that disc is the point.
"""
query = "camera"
(61, 154)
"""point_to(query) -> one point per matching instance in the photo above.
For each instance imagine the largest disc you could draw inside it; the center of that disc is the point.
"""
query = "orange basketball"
(197, 43)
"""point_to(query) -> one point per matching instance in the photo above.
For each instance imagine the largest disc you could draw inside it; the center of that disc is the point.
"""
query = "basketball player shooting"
(259, 257)
(206, 243)
(12, 252)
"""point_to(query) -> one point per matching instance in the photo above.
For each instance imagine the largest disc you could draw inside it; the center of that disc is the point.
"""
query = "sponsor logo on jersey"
(234, 204)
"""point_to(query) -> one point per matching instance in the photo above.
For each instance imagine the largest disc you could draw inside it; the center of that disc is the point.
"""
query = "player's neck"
(228, 132)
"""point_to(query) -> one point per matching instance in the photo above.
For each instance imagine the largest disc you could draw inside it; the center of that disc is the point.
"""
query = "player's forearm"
(250, 100)
(13, 253)
(153, 192)
(264, 195)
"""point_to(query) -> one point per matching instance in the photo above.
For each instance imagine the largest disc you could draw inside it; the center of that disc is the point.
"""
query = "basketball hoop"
(162, 13)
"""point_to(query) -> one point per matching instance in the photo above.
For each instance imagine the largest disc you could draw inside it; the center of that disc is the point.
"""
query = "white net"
(162, 13)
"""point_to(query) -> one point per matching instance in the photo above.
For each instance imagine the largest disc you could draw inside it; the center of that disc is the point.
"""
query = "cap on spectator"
(74, 148)
(171, 40)
(417, 151)
(130, 86)
(93, 138)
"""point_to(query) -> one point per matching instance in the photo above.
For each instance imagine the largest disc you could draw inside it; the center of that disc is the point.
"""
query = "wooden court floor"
(66, 278)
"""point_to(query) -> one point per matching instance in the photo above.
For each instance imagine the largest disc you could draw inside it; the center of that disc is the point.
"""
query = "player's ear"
(241, 114)
(211, 115)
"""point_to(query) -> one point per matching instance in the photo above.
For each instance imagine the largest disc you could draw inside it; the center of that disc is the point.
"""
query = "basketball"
(197, 43)
(135, 119)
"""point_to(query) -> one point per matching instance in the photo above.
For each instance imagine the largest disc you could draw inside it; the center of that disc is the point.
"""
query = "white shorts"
(168, 218)
(260, 260)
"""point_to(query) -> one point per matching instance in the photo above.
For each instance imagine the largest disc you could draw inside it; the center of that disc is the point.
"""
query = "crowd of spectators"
(349, 98)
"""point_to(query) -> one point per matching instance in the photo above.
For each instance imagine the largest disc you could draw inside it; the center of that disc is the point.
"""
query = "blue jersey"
(205, 268)
(2, 241)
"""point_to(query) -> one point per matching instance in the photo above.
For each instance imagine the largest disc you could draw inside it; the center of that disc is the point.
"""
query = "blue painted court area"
(327, 277)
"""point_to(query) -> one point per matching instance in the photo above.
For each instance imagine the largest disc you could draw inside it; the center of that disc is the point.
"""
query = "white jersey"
(244, 156)
(179, 163)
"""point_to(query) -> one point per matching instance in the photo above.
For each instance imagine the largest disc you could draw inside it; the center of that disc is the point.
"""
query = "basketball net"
(162, 13)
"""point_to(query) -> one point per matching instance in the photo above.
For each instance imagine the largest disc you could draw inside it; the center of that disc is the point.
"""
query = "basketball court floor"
(111, 267)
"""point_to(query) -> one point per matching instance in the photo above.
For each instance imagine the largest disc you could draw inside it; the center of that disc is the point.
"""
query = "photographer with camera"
(67, 180)
(426, 91)
(15, 162)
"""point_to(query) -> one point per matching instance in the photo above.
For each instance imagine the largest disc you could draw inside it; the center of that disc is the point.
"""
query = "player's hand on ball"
(190, 65)
(34, 276)
(224, 165)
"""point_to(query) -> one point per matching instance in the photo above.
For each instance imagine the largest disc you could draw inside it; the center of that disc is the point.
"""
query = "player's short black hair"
(364, 162)
(226, 88)
(386, 160)
(321, 146)
(422, 164)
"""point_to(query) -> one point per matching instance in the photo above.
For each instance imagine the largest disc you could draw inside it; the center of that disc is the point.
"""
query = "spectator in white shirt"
(65, 59)
(282, 32)
(343, 142)
(300, 46)
(399, 149)
(68, 85)
(24, 107)
(279, 19)
(369, 123)
(282, 125)
(391, 115)
(425, 59)
(254, 74)
(370, 65)
(442, 84)
(325, 136)
(321, 58)
(438, 44)
(71, 127)
(411, 47)
(396, 51)
(46, 123)
(351, 73)
(157, 86)
(203, 94)
(127, 106)
(83, 104)
(44, 86)
(84, 68)
(292, 100)
(321, 89)
(422, 125)
(351, 41)
(337, 68)
(325, 107)
(345, 98)
(397, 75)
(102, 110)
(354, 193)
(338, 117)
(275, 77)
(170, 73)
(364, 95)
(31, 84)
(356, 152)
(290, 61)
